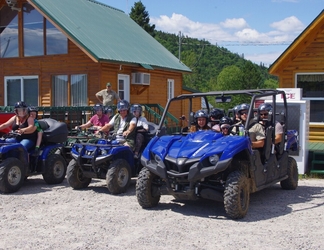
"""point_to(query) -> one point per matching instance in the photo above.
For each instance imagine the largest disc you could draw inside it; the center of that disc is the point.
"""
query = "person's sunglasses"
(225, 128)
(264, 114)
(244, 113)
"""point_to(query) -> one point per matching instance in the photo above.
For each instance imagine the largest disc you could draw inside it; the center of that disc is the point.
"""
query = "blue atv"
(17, 163)
(78, 136)
(106, 158)
(209, 165)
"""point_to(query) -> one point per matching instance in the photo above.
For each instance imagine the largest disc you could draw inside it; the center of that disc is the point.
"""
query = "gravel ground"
(40, 216)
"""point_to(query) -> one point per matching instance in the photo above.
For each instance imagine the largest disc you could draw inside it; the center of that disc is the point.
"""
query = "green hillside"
(208, 61)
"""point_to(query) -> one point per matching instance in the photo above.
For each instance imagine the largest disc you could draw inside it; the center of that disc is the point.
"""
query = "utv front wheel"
(118, 176)
(291, 182)
(147, 193)
(11, 175)
(236, 195)
(55, 169)
(75, 176)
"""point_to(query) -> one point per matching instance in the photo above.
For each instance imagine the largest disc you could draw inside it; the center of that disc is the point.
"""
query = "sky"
(258, 30)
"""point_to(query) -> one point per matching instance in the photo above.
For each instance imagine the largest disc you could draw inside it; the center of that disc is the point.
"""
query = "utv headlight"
(157, 158)
(213, 159)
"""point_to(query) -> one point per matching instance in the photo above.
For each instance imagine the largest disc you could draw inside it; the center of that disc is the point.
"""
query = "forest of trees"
(213, 67)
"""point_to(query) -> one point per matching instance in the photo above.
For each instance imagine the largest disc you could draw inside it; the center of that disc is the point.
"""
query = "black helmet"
(235, 109)
(98, 107)
(123, 105)
(20, 104)
(216, 114)
(225, 120)
(137, 107)
(201, 113)
(243, 106)
(109, 111)
(21, 109)
(265, 107)
(32, 109)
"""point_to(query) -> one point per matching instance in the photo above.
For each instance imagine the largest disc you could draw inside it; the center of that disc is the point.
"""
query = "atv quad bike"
(16, 163)
(106, 158)
(78, 136)
(208, 165)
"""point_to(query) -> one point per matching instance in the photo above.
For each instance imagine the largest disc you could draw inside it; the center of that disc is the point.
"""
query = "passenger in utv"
(141, 127)
(265, 117)
(23, 124)
(201, 119)
(98, 120)
(256, 131)
(225, 125)
(122, 125)
(214, 119)
(236, 116)
(33, 112)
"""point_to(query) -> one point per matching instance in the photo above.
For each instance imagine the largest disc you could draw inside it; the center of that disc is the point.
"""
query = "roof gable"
(106, 33)
(302, 41)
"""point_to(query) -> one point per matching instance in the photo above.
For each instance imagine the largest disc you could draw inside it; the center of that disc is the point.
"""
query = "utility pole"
(179, 46)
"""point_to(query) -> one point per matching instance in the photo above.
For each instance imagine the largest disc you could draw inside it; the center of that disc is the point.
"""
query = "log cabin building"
(61, 52)
(301, 65)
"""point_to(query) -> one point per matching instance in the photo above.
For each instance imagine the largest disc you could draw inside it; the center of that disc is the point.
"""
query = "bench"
(317, 166)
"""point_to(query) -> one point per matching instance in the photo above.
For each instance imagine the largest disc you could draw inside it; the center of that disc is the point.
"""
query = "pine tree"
(141, 17)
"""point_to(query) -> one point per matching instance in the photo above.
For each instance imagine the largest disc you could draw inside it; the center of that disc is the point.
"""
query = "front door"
(124, 87)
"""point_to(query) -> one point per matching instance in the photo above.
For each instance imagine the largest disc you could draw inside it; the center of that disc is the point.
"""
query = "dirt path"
(57, 217)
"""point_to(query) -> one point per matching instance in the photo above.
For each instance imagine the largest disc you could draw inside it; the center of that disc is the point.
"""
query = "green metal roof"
(107, 34)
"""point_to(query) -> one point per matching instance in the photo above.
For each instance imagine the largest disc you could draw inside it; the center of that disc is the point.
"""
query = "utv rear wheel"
(55, 169)
(11, 175)
(147, 193)
(236, 195)
(75, 176)
(291, 182)
(118, 176)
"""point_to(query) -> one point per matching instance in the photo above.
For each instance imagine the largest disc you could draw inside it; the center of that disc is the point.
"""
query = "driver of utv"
(256, 131)
(122, 125)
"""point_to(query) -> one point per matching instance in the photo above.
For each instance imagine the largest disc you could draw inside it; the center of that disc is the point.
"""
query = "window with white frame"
(69, 90)
(21, 88)
(312, 85)
(170, 88)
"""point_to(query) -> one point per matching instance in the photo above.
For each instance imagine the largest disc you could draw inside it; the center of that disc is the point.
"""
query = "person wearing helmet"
(225, 125)
(23, 124)
(236, 116)
(109, 112)
(214, 118)
(98, 120)
(265, 115)
(121, 122)
(256, 131)
(33, 112)
(141, 127)
(201, 119)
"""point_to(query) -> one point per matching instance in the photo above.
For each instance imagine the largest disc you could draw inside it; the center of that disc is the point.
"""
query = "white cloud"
(289, 24)
(234, 23)
(236, 32)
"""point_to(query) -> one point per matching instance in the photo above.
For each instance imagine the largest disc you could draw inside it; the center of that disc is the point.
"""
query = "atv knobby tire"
(236, 195)
(11, 175)
(148, 195)
(55, 169)
(118, 176)
(291, 182)
(75, 176)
